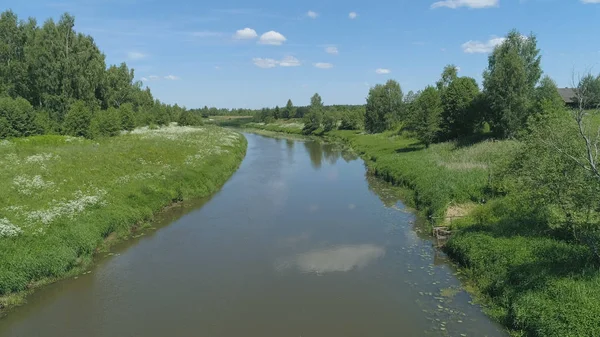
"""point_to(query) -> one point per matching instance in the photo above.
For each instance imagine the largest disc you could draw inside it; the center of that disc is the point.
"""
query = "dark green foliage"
(289, 111)
(187, 118)
(314, 117)
(449, 74)
(590, 86)
(17, 117)
(460, 114)
(509, 83)
(106, 123)
(427, 115)
(277, 112)
(384, 107)
(330, 121)
(352, 119)
(52, 66)
(127, 116)
(77, 120)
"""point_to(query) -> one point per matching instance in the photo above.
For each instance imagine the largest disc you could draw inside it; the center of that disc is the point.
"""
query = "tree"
(591, 86)
(277, 112)
(352, 119)
(384, 107)
(289, 111)
(509, 83)
(77, 120)
(118, 85)
(127, 116)
(314, 117)
(17, 117)
(330, 120)
(449, 74)
(459, 115)
(559, 166)
(106, 123)
(428, 110)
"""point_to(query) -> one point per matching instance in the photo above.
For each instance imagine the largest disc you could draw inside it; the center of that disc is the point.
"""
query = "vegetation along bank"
(64, 196)
(511, 169)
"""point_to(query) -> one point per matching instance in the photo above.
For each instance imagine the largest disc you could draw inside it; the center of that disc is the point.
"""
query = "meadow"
(65, 197)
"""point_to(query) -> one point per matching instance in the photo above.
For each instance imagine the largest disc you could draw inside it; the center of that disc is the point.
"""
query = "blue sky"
(190, 52)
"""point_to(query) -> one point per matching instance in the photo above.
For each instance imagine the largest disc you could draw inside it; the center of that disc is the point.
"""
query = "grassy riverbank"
(62, 196)
(531, 280)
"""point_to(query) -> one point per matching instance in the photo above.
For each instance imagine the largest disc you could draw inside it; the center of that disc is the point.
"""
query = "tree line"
(55, 80)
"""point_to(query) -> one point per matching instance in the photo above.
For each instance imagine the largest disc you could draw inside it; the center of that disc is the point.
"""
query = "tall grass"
(62, 196)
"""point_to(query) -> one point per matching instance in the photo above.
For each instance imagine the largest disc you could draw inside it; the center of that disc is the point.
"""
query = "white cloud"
(206, 33)
(153, 77)
(332, 50)
(382, 71)
(172, 77)
(272, 38)
(134, 55)
(312, 15)
(352, 15)
(467, 3)
(144, 79)
(264, 63)
(245, 34)
(288, 61)
(475, 47)
(590, 1)
(323, 65)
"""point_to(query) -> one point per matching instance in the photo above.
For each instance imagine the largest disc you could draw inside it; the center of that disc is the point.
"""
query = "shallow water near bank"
(299, 242)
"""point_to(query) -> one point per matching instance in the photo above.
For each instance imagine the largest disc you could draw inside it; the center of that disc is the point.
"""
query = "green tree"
(591, 86)
(314, 117)
(277, 112)
(17, 117)
(289, 111)
(449, 74)
(427, 118)
(459, 115)
(127, 116)
(330, 120)
(352, 119)
(106, 123)
(384, 107)
(77, 120)
(509, 83)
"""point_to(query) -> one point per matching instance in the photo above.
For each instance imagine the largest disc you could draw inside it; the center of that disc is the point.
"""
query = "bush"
(106, 123)
(16, 118)
(352, 119)
(127, 116)
(77, 120)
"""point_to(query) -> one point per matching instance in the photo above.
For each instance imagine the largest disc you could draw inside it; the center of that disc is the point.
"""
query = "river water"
(299, 242)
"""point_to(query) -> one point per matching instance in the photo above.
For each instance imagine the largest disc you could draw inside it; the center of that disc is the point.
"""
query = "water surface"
(300, 242)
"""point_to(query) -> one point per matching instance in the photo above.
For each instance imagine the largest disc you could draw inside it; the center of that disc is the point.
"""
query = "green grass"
(443, 175)
(288, 126)
(62, 196)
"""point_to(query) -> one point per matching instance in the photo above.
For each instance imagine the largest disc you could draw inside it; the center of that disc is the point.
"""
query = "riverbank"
(531, 281)
(64, 197)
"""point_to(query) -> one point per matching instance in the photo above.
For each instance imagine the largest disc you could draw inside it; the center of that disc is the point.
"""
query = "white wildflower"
(27, 185)
(40, 158)
(7, 229)
(68, 208)
(5, 142)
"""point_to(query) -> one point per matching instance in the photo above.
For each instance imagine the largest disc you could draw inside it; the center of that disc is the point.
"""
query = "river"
(299, 242)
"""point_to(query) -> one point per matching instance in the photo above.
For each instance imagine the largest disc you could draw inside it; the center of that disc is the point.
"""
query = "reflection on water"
(319, 151)
(297, 243)
(340, 258)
